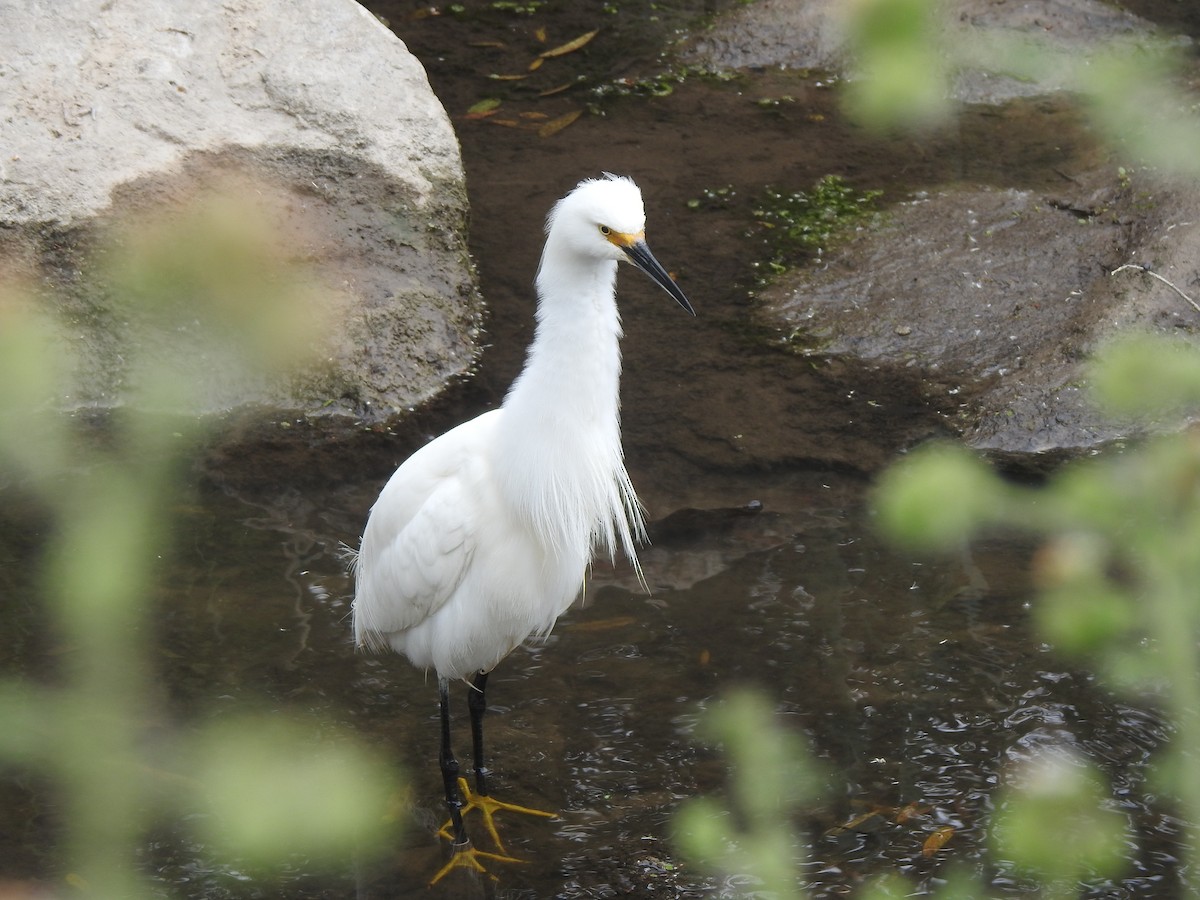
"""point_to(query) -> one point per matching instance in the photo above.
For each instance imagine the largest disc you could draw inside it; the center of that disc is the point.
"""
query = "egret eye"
(605, 230)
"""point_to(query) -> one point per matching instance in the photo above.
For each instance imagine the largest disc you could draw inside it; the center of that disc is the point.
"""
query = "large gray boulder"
(111, 111)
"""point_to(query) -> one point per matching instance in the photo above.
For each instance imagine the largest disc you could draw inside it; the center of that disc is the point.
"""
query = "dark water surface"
(915, 681)
(918, 681)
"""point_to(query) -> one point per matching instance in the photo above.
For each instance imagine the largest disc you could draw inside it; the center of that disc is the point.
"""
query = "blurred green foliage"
(1116, 577)
(908, 51)
(1119, 565)
(260, 789)
(903, 64)
(772, 778)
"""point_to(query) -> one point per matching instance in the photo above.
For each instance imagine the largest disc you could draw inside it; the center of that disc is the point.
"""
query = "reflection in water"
(918, 682)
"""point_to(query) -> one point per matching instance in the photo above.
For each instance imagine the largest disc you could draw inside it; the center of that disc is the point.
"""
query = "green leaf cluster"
(259, 789)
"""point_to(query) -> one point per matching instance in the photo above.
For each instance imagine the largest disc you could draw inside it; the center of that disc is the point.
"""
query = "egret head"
(604, 218)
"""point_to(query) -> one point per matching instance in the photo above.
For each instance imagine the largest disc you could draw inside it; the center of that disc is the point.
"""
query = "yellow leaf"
(908, 811)
(507, 77)
(554, 126)
(604, 624)
(937, 840)
(549, 92)
(536, 64)
(856, 823)
(540, 34)
(569, 46)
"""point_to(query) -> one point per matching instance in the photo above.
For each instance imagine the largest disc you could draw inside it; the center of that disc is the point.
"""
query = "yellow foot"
(467, 857)
(488, 806)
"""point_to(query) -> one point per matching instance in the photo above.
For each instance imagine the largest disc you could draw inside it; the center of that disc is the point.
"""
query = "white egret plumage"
(483, 536)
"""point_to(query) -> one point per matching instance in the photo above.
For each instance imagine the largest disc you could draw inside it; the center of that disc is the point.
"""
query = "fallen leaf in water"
(550, 92)
(532, 114)
(495, 77)
(536, 64)
(569, 46)
(507, 123)
(604, 624)
(540, 34)
(857, 822)
(937, 840)
(483, 108)
(909, 810)
(498, 45)
(554, 126)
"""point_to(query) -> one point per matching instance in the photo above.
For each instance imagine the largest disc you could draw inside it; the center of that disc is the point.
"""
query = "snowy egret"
(482, 537)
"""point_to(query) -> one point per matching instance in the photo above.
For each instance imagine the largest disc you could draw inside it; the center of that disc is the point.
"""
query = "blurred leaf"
(278, 787)
(1145, 376)
(771, 777)
(937, 496)
(887, 887)
(900, 79)
(33, 434)
(219, 268)
(1080, 608)
(1054, 822)
(702, 828)
(771, 766)
(1132, 95)
(29, 717)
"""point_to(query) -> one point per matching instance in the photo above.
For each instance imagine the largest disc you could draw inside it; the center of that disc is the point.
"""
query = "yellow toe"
(488, 807)
(467, 857)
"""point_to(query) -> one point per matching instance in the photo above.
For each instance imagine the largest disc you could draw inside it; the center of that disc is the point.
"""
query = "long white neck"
(559, 448)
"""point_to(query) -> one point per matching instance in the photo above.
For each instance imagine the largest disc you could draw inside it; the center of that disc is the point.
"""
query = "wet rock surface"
(989, 297)
(997, 297)
(813, 35)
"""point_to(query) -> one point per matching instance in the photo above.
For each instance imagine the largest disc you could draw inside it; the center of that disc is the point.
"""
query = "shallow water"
(916, 680)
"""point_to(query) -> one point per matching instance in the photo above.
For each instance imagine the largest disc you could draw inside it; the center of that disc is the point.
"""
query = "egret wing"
(421, 535)
(418, 567)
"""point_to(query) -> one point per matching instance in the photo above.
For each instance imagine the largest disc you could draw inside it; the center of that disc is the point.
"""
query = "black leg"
(477, 704)
(449, 766)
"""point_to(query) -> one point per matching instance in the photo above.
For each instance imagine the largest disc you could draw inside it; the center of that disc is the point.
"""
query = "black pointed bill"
(639, 253)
